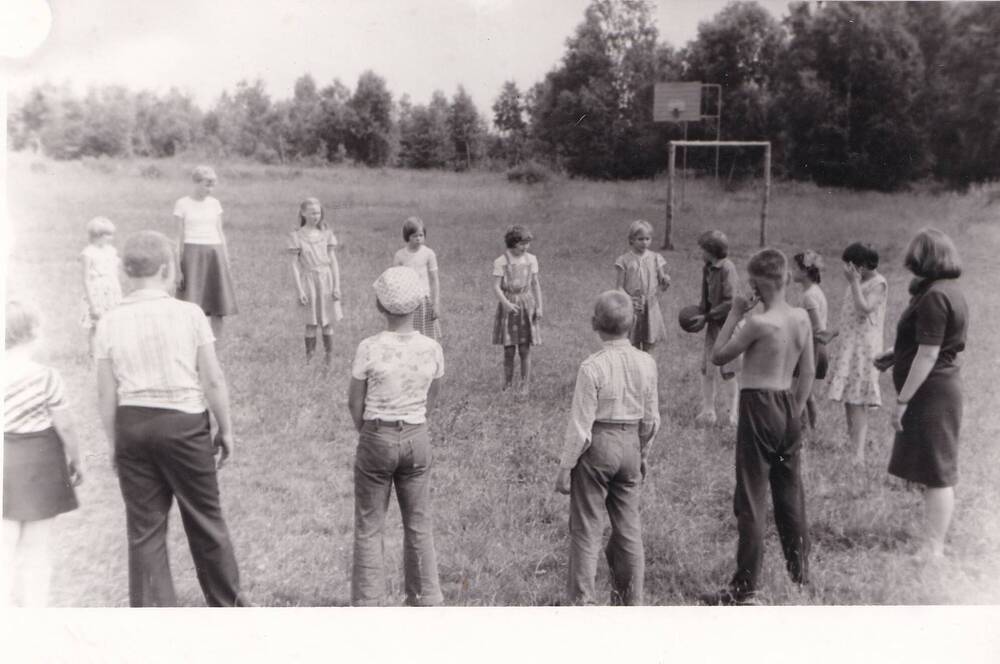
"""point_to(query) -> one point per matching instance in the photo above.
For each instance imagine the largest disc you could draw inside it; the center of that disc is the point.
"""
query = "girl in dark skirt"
(925, 371)
(41, 461)
(515, 325)
(204, 263)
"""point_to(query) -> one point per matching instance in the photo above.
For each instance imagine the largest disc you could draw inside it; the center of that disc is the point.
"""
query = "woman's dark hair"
(861, 254)
(812, 271)
(515, 235)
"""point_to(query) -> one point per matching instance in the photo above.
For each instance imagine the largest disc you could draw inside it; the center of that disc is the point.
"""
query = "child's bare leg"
(216, 322)
(811, 412)
(33, 550)
(11, 533)
(733, 387)
(508, 365)
(706, 416)
(524, 350)
(939, 504)
(327, 344)
(857, 428)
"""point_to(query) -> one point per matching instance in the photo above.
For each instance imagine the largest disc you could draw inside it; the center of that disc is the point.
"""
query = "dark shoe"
(728, 597)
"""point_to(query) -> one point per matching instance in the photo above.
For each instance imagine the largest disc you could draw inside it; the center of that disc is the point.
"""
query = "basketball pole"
(667, 243)
(767, 195)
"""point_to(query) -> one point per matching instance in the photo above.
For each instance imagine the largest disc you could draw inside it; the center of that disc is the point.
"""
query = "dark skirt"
(35, 476)
(520, 328)
(206, 281)
(926, 451)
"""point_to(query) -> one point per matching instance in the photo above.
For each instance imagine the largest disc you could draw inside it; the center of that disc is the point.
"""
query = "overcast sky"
(206, 46)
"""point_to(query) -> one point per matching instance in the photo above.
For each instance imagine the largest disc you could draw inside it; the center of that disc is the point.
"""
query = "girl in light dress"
(853, 376)
(204, 256)
(420, 257)
(317, 275)
(642, 274)
(807, 274)
(102, 289)
(519, 310)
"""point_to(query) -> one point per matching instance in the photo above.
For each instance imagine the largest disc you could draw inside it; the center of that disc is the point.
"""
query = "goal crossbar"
(671, 170)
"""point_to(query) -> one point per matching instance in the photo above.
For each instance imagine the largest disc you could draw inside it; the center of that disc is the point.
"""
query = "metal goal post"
(671, 171)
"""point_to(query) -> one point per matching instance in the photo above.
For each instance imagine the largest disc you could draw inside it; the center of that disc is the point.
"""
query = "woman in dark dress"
(928, 413)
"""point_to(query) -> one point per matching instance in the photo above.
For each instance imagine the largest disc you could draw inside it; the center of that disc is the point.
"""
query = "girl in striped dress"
(515, 283)
(41, 461)
(422, 259)
(317, 275)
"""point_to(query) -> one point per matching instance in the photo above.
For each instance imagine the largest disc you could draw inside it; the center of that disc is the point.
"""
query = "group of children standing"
(614, 414)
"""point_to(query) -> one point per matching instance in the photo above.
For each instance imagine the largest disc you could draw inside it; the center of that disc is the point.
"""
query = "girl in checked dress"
(317, 275)
(853, 376)
(515, 283)
(422, 259)
(102, 291)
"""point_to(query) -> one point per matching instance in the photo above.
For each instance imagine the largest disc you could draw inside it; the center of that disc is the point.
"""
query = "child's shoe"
(728, 597)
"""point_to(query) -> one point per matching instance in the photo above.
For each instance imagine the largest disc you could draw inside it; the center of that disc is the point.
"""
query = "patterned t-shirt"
(399, 369)
(31, 393)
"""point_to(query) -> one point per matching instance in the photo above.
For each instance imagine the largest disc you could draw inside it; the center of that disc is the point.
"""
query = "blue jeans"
(608, 477)
(393, 453)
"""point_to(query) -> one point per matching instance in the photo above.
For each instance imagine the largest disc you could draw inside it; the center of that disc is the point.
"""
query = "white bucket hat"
(399, 290)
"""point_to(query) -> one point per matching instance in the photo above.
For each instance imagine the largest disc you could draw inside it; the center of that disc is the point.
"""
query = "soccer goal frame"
(672, 171)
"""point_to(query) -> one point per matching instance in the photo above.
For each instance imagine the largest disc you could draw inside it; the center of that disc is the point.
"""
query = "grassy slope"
(501, 532)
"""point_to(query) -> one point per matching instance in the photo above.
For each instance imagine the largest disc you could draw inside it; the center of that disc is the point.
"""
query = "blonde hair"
(933, 255)
(202, 173)
(145, 252)
(302, 209)
(21, 325)
(637, 227)
(613, 312)
(768, 264)
(99, 226)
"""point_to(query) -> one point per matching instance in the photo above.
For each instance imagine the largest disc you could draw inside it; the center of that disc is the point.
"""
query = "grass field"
(500, 530)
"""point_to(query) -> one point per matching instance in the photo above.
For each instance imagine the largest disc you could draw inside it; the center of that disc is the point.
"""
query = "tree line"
(870, 95)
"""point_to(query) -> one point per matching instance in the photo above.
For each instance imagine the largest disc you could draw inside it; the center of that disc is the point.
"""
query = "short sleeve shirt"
(813, 299)
(31, 393)
(398, 369)
(936, 316)
(720, 283)
(152, 341)
(423, 261)
(525, 259)
(201, 219)
(312, 247)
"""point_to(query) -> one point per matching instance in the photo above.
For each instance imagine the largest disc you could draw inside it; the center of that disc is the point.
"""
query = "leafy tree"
(848, 90)
(466, 129)
(593, 111)
(965, 109)
(245, 122)
(425, 139)
(508, 118)
(335, 120)
(739, 48)
(108, 122)
(370, 138)
(165, 126)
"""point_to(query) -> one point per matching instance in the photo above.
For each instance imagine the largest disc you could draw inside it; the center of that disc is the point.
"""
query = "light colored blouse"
(201, 219)
(423, 261)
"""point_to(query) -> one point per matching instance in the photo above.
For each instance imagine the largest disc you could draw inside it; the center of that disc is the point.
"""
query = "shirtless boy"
(768, 436)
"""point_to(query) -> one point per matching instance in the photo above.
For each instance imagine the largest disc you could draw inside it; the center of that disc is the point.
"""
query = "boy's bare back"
(780, 335)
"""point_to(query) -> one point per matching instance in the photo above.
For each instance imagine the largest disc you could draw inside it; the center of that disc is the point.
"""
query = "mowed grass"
(501, 532)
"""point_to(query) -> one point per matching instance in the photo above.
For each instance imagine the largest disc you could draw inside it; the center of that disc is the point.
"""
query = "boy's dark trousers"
(768, 451)
(608, 477)
(162, 453)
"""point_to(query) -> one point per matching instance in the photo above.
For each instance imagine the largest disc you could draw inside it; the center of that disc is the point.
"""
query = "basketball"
(686, 319)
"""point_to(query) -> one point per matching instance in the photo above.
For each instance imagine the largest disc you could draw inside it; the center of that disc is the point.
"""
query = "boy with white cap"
(394, 380)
